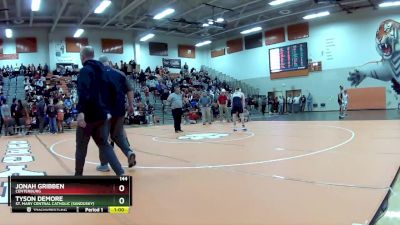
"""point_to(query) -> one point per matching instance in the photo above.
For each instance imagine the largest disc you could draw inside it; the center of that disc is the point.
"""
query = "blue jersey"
(237, 99)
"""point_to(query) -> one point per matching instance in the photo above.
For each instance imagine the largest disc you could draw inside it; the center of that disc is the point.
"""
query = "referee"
(175, 101)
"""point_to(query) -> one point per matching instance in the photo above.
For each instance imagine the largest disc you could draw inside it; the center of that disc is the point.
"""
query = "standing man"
(238, 103)
(42, 109)
(296, 104)
(340, 101)
(280, 105)
(309, 102)
(51, 114)
(223, 105)
(186, 68)
(94, 93)
(303, 103)
(289, 102)
(264, 103)
(123, 88)
(175, 101)
(345, 102)
(6, 116)
(205, 106)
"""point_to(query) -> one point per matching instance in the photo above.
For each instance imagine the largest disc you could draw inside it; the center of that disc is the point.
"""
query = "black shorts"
(237, 109)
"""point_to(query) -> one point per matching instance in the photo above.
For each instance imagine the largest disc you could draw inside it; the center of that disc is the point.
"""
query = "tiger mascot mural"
(388, 68)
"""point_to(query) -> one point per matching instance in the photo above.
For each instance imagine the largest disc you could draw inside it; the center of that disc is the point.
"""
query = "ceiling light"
(255, 29)
(220, 20)
(78, 33)
(203, 43)
(164, 13)
(35, 5)
(316, 15)
(278, 2)
(205, 25)
(147, 37)
(9, 33)
(103, 5)
(389, 4)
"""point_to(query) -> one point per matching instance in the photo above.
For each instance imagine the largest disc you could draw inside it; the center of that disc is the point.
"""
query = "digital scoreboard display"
(288, 58)
(70, 194)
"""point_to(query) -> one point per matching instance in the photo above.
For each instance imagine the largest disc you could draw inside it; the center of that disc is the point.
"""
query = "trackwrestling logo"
(18, 154)
(196, 137)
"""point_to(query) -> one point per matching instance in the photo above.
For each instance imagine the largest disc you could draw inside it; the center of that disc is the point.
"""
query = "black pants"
(41, 123)
(18, 124)
(118, 137)
(263, 109)
(177, 114)
(100, 132)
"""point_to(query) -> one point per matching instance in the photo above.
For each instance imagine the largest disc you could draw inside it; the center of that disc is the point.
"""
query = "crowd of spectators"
(50, 97)
(48, 105)
(159, 83)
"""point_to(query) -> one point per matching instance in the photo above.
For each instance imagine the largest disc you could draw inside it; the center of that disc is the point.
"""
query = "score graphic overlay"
(70, 194)
(288, 58)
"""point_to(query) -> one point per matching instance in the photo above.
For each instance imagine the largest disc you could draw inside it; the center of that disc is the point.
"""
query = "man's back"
(122, 87)
(94, 91)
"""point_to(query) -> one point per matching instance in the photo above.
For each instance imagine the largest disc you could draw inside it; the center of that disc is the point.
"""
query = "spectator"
(309, 102)
(148, 70)
(17, 110)
(280, 105)
(296, 104)
(289, 102)
(303, 102)
(41, 113)
(132, 63)
(264, 102)
(51, 114)
(60, 116)
(214, 110)
(27, 120)
(223, 105)
(68, 103)
(205, 106)
(6, 116)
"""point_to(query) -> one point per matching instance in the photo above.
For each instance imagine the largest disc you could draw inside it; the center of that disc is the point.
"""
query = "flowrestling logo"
(203, 136)
(18, 155)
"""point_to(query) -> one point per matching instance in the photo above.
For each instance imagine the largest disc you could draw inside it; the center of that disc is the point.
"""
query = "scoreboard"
(288, 58)
(70, 194)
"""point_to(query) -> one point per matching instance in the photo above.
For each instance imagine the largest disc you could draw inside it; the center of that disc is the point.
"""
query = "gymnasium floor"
(279, 172)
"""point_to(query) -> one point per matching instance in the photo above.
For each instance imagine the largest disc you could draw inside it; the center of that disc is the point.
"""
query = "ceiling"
(136, 15)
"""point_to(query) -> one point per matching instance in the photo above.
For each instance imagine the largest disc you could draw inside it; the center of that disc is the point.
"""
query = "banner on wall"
(9, 56)
(172, 63)
(60, 53)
